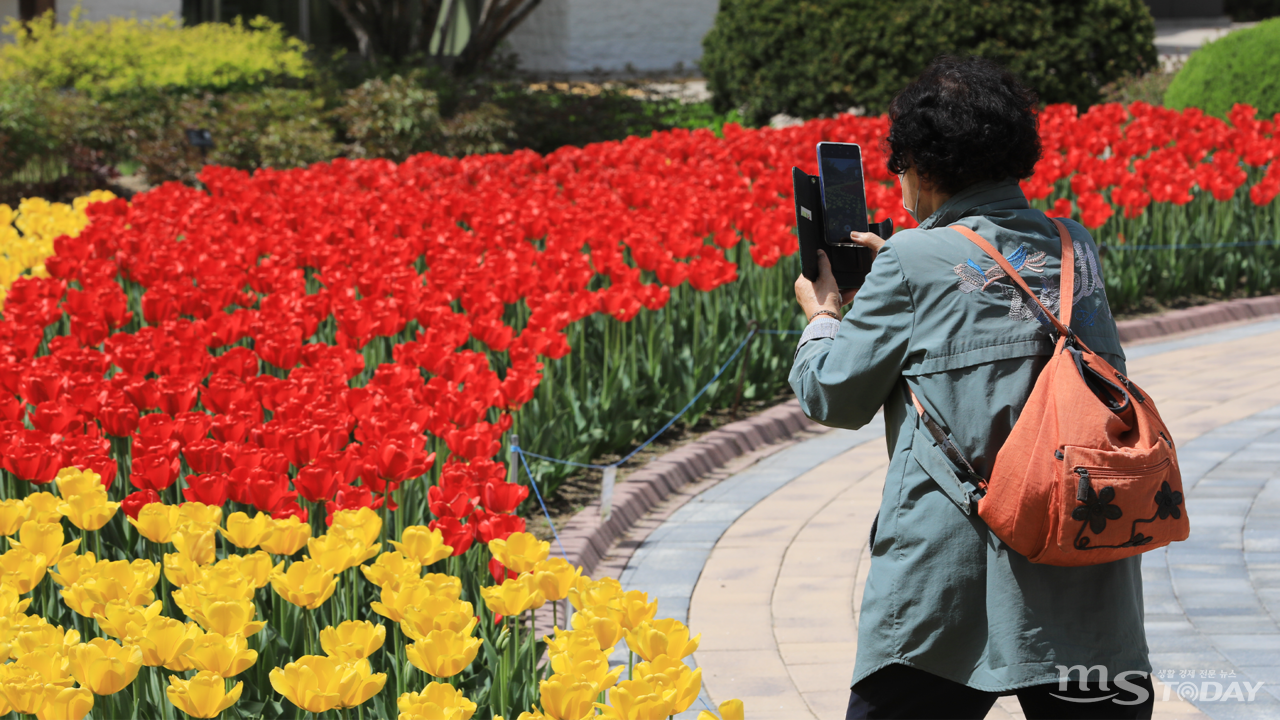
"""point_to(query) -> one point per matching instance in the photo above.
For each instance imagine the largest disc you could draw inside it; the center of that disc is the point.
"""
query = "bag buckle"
(1055, 336)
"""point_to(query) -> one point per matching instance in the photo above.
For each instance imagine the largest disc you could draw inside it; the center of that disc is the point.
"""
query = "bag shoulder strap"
(1067, 275)
(1067, 279)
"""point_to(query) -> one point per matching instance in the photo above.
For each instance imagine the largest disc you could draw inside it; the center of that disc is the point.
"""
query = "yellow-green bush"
(122, 56)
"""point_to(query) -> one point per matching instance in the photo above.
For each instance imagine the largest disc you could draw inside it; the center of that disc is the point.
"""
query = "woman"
(951, 617)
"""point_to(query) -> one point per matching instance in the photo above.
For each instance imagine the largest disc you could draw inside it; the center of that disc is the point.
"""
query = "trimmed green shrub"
(399, 117)
(814, 57)
(107, 58)
(273, 127)
(1243, 67)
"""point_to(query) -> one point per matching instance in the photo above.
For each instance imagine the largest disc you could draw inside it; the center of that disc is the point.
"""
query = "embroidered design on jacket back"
(1088, 280)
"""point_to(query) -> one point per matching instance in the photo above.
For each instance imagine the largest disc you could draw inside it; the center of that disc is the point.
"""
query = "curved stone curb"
(1198, 318)
(586, 538)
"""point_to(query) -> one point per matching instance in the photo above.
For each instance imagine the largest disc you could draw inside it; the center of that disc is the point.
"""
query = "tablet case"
(850, 265)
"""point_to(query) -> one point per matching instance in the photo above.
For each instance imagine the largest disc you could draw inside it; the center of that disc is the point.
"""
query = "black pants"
(905, 693)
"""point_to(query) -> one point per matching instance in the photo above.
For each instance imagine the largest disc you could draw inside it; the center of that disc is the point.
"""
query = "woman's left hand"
(823, 293)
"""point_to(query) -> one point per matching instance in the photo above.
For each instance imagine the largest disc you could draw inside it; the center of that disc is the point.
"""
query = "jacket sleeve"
(843, 381)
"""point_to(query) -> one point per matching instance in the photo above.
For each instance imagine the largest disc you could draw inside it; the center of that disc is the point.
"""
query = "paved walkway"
(768, 564)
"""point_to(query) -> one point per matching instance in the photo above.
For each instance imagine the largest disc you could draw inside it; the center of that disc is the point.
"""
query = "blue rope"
(538, 493)
(670, 422)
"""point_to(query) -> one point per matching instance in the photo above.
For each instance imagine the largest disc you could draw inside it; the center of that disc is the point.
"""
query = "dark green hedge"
(814, 57)
(1243, 67)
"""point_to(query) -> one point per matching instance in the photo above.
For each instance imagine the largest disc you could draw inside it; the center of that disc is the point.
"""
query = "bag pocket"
(1119, 504)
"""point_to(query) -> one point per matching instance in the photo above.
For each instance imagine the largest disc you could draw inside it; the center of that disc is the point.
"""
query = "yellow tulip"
(602, 622)
(392, 569)
(246, 533)
(52, 664)
(423, 544)
(23, 688)
(636, 608)
(112, 580)
(181, 570)
(639, 700)
(105, 667)
(566, 697)
(589, 663)
(199, 514)
(667, 636)
(72, 567)
(341, 550)
(74, 481)
(286, 537)
(438, 613)
(306, 583)
(437, 700)
(669, 672)
(157, 521)
(729, 710)
(122, 619)
(226, 655)
(353, 639)
(555, 576)
(585, 593)
(443, 653)
(311, 682)
(45, 538)
(10, 603)
(65, 703)
(22, 569)
(197, 543)
(358, 683)
(520, 552)
(13, 513)
(34, 633)
(366, 522)
(413, 593)
(163, 640)
(254, 568)
(203, 696)
(513, 596)
(571, 642)
(42, 507)
(226, 617)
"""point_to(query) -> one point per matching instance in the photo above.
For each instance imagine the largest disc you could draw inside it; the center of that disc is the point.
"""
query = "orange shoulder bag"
(1089, 473)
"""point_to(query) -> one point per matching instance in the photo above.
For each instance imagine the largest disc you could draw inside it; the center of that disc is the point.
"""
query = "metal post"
(513, 460)
(304, 20)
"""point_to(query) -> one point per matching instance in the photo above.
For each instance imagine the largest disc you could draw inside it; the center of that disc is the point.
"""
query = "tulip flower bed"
(302, 379)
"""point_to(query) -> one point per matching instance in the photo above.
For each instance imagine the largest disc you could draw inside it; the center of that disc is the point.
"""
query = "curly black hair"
(963, 121)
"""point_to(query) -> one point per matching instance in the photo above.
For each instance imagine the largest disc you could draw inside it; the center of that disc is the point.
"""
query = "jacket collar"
(980, 199)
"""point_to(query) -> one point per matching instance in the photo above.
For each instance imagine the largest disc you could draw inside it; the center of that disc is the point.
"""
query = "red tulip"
(210, 488)
(133, 502)
(154, 471)
(456, 535)
(503, 497)
(490, 525)
(316, 483)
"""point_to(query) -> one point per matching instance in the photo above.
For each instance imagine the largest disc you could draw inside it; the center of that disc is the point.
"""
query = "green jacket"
(943, 594)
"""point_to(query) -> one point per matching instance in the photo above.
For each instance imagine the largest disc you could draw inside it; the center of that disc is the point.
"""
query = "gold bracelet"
(823, 312)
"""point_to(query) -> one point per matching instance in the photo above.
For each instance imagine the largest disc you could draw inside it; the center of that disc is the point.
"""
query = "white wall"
(103, 9)
(8, 9)
(577, 36)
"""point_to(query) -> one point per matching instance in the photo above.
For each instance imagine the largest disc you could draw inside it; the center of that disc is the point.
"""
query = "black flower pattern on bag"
(1097, 509)
(1167, 502)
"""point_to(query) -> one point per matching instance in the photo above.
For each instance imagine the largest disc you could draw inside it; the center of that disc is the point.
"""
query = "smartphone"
(844, 194)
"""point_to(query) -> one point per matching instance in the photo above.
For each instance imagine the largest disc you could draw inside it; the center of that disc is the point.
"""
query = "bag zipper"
(1086, 476)
(1168, 440)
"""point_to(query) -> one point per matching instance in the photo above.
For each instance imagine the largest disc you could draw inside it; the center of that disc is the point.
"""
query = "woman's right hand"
(870, 241)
